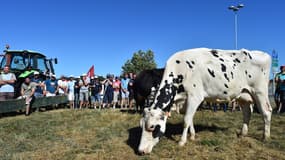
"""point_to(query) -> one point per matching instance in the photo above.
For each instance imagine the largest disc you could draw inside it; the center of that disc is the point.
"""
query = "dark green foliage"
(141, 60)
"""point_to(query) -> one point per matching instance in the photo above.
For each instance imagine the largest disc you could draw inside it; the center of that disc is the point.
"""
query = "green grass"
(108, 134)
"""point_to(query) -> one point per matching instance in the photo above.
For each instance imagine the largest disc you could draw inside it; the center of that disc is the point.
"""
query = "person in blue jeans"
(96, 88)
(281, 82)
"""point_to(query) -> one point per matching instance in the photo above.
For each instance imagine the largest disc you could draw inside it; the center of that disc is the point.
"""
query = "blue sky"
(106, 33)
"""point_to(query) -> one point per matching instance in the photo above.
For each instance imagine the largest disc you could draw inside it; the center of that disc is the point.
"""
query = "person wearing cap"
(7, 81)
(39, 84)
(70, 91)
(51, 86)
(84, 91)
(27, 92)
(281, 81)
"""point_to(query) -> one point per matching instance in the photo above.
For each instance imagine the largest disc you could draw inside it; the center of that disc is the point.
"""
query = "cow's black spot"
(157, 132)
(171, 74)
(245, 72)
(221, 59)
(237, 60)
(179, 79)
(249, 76)
(194, 85)
(177, 61)
(234, 53)
(193, 62)
(189, 64)
(214, 53)
(165, 81)
(226, 77)
(234, 66)
(224, 68)
(226, 86)
(249, 56)
(225, 92)
(165, 96)
(180, 89)
(262, 69)
(211, 72)
(232, 75)
(244, 52)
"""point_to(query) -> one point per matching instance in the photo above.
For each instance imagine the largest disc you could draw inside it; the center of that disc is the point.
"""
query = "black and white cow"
(143, 84)
(211, 75)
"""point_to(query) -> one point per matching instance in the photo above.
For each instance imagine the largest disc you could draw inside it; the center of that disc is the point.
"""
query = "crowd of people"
(82, 91)
(90, 92)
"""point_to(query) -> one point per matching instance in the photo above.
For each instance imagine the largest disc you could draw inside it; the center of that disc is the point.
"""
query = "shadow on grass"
(171, 130)
(134, 138)
(177, 129)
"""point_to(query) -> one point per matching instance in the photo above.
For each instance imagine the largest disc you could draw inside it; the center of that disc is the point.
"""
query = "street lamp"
(235, 9)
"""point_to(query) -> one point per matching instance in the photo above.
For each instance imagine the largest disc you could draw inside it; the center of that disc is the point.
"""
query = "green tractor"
(23, 63)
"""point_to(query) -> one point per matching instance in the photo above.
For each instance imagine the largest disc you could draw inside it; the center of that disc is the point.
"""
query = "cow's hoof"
(181, 143)
(192, 138)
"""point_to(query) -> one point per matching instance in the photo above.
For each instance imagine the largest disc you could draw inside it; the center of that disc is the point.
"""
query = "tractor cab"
(21, 61)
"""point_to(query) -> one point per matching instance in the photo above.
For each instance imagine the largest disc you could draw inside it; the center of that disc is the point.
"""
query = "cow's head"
(153, 126)
(153, 122)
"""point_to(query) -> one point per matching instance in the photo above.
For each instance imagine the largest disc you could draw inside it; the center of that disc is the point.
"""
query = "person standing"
(7, 81)
(27, 92)
(277, 87)
(124, 91)
(131, 90)
(70, 91)
(84, 91)
(117, 89)
(281, 81)
(109, 91)
(76, 93)
(96, 88)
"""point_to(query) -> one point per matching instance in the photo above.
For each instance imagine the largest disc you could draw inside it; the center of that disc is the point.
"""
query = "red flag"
(90, 73)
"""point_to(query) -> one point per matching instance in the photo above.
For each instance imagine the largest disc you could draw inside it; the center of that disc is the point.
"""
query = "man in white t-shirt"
(7, 81)
(62, 84)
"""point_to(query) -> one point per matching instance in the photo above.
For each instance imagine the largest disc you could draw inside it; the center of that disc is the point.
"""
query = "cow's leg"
(265, 109)
(192, 105)
(246, 118)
